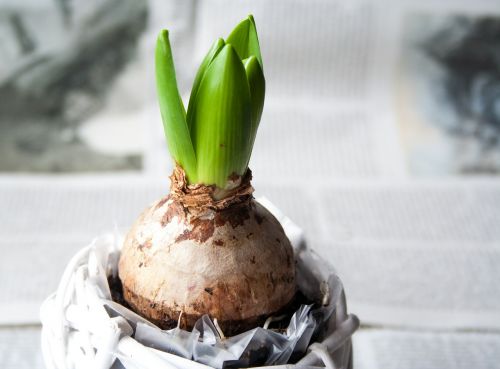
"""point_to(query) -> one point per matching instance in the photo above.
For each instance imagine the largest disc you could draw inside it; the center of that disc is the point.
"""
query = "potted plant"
(208, 264)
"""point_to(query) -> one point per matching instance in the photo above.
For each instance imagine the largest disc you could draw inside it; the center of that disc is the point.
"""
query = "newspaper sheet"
(20, 348)
(387, 349)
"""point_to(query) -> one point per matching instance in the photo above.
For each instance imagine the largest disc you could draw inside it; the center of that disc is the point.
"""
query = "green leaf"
(245, 41)
(222, 120)
(172, 108)
(257, 85)
(212, 53)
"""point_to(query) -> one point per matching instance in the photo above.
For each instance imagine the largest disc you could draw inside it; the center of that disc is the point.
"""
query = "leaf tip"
(163, 35)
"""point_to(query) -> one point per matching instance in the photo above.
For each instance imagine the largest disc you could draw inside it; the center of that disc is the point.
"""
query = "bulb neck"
(199, 199)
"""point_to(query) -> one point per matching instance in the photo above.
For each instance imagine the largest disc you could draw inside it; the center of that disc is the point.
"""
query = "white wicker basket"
(78, 332)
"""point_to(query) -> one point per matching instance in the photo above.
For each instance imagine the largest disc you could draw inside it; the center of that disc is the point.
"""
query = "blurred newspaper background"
(388, 118)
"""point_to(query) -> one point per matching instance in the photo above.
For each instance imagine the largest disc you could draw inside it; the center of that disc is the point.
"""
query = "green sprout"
(214, 140)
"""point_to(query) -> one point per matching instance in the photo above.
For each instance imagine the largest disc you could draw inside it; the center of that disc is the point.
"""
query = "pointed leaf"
(257, 85)
(245, 41)
(212, 53)
(222, 120)
(172, 108)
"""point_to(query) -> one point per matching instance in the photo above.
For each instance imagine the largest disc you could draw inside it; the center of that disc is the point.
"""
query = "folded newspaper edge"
(82, 327)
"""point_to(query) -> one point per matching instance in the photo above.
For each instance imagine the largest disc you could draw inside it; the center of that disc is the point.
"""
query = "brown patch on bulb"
(146, 245)
(202, 230)
(258, 219)
(234, 215)
(162, 202)
(174, 210)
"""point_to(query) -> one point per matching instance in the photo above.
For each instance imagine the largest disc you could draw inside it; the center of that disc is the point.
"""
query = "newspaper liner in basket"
(84, 328)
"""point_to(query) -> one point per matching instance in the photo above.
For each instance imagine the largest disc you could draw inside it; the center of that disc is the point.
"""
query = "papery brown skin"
(233, 263)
